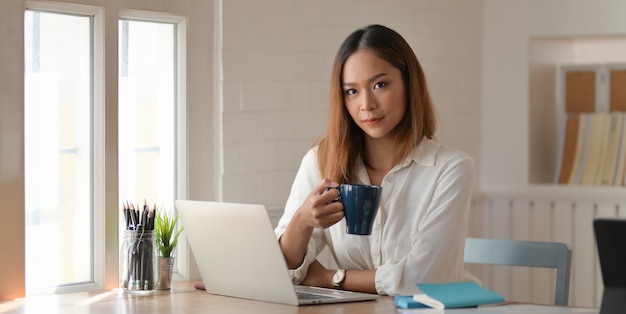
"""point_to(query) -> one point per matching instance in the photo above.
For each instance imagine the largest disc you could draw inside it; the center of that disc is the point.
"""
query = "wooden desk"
(183, 298)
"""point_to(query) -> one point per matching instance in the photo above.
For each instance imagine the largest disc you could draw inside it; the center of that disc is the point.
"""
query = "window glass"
(58, 149)
(147, 119)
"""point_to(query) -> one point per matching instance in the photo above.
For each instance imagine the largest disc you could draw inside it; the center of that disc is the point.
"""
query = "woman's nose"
(368, 101)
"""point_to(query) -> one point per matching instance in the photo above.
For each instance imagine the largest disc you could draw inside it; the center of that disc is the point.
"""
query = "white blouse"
(419, 231)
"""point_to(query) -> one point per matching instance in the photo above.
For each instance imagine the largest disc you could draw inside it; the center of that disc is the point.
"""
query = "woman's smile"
(373, 121)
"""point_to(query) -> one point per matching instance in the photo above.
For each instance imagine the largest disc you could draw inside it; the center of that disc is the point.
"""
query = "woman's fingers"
(322, 208)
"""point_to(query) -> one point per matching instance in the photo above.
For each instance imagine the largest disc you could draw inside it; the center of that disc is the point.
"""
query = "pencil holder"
(138, 261)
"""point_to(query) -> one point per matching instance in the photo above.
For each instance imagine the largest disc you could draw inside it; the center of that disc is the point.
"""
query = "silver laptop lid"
(236, 250)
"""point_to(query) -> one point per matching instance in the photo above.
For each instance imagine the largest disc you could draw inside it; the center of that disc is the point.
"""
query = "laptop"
(611, 242)
(238, 255)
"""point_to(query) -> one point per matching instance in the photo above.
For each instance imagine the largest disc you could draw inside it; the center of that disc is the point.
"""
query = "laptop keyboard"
(311, 296)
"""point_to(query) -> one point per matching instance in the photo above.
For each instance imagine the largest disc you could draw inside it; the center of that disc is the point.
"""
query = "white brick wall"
(277, 57)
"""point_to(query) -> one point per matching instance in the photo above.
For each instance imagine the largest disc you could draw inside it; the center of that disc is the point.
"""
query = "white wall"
(12, 271)
(517, 134)
(277, 57)
(508, 28)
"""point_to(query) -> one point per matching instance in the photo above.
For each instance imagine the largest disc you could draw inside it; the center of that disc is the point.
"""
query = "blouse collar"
(424, 154)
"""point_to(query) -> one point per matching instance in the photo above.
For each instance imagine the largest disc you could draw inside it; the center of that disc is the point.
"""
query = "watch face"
(338, 277)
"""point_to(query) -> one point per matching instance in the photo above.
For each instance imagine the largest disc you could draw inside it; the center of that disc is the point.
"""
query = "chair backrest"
(524, 253)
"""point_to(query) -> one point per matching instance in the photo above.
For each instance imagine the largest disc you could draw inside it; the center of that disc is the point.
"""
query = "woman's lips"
(372, 121)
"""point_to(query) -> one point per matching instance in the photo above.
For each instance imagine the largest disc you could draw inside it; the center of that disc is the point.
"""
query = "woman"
(381, 130)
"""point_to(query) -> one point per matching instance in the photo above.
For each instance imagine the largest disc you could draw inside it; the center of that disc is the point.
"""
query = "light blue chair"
(524, 253)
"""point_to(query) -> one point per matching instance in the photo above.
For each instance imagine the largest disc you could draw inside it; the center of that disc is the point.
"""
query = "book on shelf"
(608, 164)
(593, 150)
(596, 147)
(621, 155)
(568, 150)
(578, 164)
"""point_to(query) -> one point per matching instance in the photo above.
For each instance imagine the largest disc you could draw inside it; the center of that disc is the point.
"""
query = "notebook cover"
(455, 295)
(407, 302)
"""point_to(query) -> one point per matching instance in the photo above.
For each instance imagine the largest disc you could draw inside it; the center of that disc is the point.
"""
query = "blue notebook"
(449, 295)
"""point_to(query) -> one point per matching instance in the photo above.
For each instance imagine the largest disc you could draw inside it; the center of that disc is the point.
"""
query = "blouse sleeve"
(437, 247)
(306, 179)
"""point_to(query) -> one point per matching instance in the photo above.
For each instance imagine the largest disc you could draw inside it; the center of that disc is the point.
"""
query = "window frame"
(98, 146)
(181, 109)
(105, 203)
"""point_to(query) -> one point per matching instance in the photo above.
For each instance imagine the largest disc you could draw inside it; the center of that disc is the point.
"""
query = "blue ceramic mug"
(360, 206)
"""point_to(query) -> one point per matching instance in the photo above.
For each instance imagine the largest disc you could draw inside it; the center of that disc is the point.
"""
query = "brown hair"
(343, 142)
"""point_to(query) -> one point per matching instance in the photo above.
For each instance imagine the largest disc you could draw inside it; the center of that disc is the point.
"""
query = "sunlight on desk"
(183, 298)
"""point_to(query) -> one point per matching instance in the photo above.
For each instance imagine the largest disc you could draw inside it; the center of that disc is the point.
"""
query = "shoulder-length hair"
(343, 142)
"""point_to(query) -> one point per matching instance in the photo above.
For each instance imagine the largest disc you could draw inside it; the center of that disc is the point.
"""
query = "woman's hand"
(355, 280)
(319, 210)
(318, 276)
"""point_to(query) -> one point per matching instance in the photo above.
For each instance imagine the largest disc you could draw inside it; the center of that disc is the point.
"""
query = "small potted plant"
(166, 240)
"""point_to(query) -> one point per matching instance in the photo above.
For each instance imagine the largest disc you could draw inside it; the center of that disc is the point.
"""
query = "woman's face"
(374, 93)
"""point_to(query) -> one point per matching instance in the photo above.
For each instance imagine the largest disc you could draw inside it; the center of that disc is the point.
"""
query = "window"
(58, 149)
(147, 113)
(76, 168)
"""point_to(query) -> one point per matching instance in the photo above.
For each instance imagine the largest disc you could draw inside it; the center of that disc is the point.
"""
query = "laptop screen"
(611, 242)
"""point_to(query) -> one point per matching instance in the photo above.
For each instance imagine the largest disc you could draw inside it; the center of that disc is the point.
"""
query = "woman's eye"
(350, 91)
(379, 85)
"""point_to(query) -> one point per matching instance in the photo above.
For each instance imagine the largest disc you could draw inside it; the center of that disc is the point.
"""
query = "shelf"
(548, 94)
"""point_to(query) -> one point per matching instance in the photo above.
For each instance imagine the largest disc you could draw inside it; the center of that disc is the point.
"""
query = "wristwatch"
(338, 278)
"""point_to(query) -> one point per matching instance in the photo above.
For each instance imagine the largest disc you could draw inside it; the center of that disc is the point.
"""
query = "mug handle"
(338, 199)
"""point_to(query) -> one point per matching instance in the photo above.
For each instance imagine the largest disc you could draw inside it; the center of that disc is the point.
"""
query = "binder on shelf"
(568, 151)
(617, 93)
(621, 155)
(580, 91)
(608, 164)
(578, 165)
(596, 147)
